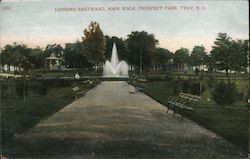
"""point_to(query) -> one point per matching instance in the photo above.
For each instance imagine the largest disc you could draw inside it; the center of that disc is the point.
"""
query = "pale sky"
(38, 23)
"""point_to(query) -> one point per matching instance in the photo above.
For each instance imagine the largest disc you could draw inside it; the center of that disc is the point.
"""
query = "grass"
(232, 123)
(18, 117)
(229, 123)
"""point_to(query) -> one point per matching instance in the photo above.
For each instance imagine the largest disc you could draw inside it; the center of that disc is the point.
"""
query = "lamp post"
(248, 61)
(201, 76)
(140, 61)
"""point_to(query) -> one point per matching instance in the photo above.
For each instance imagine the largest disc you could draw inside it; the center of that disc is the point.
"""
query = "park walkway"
(113, 121)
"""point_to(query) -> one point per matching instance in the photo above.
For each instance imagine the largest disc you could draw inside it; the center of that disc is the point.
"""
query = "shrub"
(225, 93)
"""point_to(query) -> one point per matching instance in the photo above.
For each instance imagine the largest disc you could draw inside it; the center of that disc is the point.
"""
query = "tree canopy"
(74, 57)
(141, 48)
(162, 57)
(181, 56)
(94, 43)
(198, 56)
(221, 53)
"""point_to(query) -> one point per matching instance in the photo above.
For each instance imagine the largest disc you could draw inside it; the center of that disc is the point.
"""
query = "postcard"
(124, 79)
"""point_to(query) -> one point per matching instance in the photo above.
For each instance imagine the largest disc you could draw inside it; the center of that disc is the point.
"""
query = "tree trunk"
(9, 87)
(24, 89)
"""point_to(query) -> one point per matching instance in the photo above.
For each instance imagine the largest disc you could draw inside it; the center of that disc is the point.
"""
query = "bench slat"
(183, 100)
(78, 93)
(76, 89)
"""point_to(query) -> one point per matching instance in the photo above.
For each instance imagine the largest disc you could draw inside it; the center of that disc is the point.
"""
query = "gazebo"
(52, 62)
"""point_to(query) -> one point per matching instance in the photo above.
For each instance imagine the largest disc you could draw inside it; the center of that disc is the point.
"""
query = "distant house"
(53, 63)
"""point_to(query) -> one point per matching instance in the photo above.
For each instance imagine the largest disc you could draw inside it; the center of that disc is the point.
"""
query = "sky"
(39, 22)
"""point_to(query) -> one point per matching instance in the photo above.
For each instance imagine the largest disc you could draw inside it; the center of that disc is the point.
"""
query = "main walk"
(115, 121)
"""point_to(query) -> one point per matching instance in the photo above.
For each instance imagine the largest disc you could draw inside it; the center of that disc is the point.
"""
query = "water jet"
(115, 68)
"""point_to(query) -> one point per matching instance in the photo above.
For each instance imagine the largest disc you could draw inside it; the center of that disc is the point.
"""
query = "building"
(53, 63)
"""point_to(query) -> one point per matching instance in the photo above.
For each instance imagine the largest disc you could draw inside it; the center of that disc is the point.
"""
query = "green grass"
(18, 117)
(229, 123)
(232, 123)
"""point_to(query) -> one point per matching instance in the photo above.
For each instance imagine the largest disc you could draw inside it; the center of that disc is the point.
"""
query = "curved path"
(113, 121)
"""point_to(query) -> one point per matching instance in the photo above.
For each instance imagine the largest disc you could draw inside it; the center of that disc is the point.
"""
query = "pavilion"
(52, 62)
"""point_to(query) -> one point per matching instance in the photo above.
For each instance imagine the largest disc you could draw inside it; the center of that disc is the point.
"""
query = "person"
(77, 76)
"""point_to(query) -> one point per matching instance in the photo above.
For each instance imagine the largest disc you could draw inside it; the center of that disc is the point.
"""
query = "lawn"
(232, 122)
(18, 116)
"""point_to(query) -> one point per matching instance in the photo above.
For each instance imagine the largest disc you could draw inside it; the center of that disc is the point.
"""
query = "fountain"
(114, 68)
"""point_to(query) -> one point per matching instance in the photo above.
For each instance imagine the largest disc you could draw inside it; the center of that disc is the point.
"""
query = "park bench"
(138, 89)
(78, 93)
(87, 82)
(183, 101)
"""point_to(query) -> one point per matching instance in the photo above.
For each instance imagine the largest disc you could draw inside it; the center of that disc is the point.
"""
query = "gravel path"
(114, 121)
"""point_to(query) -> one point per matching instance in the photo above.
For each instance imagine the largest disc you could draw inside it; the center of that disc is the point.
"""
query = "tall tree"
(12, 55)
(6, 57)
(198, 56)
(141, 47)
(162, 57)
(57, 49)
(181, 57)
(239, 50)
(37, 57)
(94, 43)
(221, 53)
(74, 58)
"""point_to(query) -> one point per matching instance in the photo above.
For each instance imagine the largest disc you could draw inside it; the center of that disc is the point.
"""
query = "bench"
(87, 82)
(138, 89)
(183, 101)
(78, 93)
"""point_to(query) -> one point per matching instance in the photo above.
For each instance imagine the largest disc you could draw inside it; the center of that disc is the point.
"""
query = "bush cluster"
(225, 93)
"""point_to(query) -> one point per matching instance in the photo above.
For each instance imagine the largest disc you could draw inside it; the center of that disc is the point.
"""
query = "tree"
(6, 57)
(141, 48)
(198, 56)
(12, 55)
(37, 58)
(181, 57)
(221, 53)
(225, 93)
(94, 43)
(161, 57)
(74, 57)
(57, 49)
(239, 51)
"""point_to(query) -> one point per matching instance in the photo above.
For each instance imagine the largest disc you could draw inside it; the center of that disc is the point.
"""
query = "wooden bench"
(78, 93)
(183, 101)
(138, 89)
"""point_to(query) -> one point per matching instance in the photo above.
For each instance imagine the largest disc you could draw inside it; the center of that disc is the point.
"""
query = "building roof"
(53, 57)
